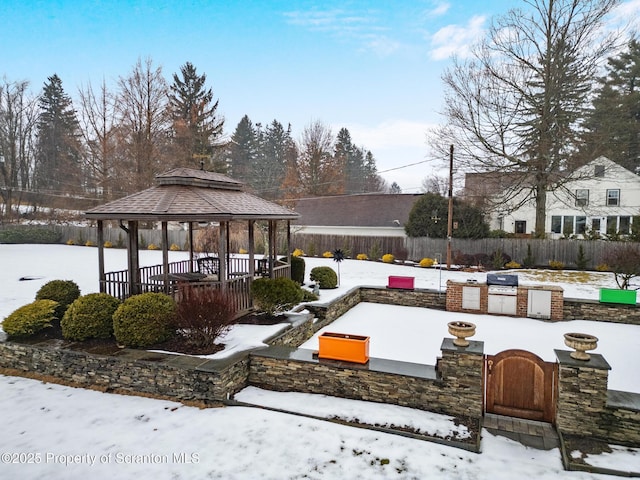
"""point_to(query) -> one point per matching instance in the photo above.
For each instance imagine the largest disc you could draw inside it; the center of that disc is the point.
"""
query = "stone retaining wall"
(179, 377)
(578, 309)
(455, 388)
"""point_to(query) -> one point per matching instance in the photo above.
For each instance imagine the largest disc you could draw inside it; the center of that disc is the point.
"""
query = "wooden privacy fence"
(542, 251)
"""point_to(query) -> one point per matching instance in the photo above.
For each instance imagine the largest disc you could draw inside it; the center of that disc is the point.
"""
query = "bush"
(298, 253)
(362, 256)
(297, 269)
(71, 242)
(153, 246)
(275, 295)
(513, 264)
(529, 261)
(326, 277)
(29, 235)
(388, 258)
(603, 267)
(202, 315)
(327, 254)
(581, 259)
(625, 264)
(427, 262)
(89, 243)
(30, 318)
(144, 320)
(62, 291)
(108, 244)
(90, 316)
(556, 264)
(174, 247)
(499, 259)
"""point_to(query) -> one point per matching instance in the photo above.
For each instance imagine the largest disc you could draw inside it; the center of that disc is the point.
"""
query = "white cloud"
(439, 9)
(457, 39)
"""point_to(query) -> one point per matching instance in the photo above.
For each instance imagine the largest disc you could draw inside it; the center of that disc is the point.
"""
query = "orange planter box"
(345, 347)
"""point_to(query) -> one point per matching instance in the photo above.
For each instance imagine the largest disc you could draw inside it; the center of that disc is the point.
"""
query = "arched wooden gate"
(520, 384)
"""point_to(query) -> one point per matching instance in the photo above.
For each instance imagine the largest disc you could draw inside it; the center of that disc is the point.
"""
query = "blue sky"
(371, 66)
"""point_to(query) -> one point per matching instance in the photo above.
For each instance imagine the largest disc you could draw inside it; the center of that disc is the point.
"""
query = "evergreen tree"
(58, 165)
(395, 188)
(276, 147)
(243, 151)
(428, 218)
(614, 123)
(196, 126)
(351, 160)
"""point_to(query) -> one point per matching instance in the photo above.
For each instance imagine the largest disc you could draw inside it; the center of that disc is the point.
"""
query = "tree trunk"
(541, 210)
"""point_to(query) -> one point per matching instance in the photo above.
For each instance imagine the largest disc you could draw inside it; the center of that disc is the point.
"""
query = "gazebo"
(193, 197)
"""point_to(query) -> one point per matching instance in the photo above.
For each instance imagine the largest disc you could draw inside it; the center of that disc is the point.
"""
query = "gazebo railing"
(238, 283)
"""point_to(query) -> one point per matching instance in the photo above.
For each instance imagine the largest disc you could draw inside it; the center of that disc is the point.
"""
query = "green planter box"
(610, 295)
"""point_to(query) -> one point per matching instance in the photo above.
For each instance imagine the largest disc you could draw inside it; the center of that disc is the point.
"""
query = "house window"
(625, 225)
(520, 226)
(595, 225)
(613, 197)
(556, 223)
(581, 225)
(598, 171)
(612, 225)
(567, 225)
(582, 197)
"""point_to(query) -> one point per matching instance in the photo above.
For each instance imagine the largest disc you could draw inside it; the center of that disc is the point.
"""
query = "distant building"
(371, 214)
(600, 197)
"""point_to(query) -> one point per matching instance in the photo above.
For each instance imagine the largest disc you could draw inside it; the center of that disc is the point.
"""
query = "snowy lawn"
(58, 432)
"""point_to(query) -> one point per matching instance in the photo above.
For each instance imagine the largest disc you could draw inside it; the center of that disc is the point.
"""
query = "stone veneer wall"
(579, 309)
(457, 389)
(161, 375)
(584, 407)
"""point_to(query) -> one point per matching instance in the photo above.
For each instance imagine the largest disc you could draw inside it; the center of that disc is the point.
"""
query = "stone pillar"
(461, 371)
(582, 394)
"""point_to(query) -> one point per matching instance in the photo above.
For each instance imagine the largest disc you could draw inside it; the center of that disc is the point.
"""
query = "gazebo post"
(134, 259)
(101, 275)
(165, 255)
(222, 252)
(190, 246)
(252, 264)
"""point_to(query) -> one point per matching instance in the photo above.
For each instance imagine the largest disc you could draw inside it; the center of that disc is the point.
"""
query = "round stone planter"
(580, 342)
(461, 330)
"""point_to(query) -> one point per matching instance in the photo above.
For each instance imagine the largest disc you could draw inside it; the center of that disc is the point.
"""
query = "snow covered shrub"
(202, 315)
(90, 316)
(326, 277)
(388, 258)
(275, 295)
(62, 291)
(144, 320)
(30, 318)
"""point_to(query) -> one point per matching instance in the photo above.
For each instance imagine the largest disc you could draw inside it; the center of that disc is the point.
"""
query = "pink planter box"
(400, 282)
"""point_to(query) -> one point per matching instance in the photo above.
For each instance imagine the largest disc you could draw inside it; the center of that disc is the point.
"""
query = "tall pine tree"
(614, 124)
(58, 166)
(196, 126)
(243, 151)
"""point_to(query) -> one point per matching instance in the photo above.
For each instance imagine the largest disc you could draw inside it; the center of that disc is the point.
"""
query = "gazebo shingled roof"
(185, 194)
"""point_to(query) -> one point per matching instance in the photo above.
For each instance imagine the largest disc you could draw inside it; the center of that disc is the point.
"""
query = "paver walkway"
(530, 433)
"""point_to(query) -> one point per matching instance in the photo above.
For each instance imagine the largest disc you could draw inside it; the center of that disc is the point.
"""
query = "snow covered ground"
(51, 431)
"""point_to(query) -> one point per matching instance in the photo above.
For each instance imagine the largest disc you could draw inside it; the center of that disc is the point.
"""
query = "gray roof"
(364, 210)
(185, 194)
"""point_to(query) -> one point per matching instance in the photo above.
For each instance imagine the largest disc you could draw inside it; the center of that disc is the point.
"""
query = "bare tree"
(18, 117)
(318, 171)
(144, 124)
(516, 105)
(98, 124)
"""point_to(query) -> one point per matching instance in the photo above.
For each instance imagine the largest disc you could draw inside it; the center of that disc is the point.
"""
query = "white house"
(600, 197)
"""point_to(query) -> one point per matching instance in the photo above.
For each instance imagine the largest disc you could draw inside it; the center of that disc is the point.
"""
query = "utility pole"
(450, 213)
